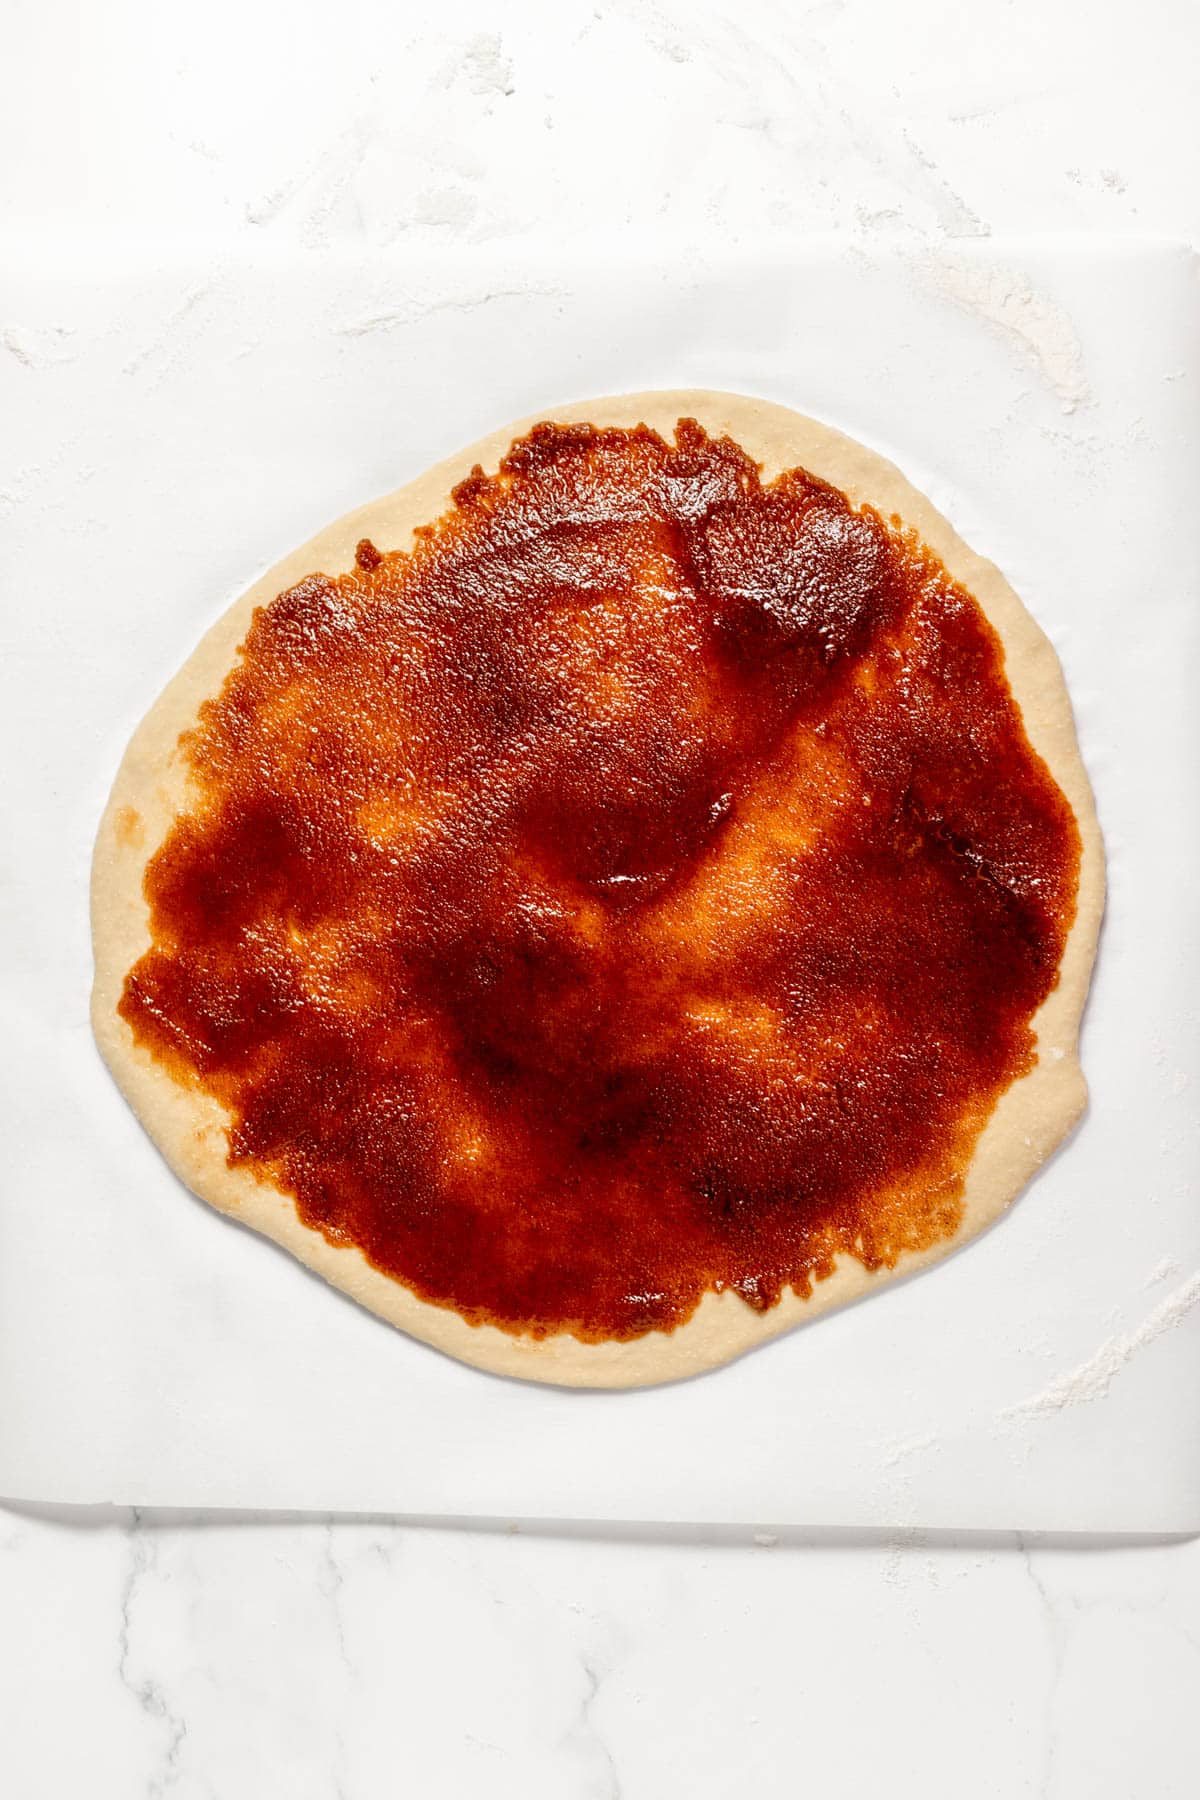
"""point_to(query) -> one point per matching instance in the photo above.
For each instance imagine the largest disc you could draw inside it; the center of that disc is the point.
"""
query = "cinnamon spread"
(642, 886)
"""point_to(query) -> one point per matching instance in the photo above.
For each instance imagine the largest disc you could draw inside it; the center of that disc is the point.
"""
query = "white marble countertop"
(318, 1661)
(289, 1657)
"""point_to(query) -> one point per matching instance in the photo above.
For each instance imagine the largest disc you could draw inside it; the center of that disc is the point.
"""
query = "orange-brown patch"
(641, 888)
(129, 828)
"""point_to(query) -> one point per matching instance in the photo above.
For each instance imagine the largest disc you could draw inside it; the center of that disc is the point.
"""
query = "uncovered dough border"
(151, 787)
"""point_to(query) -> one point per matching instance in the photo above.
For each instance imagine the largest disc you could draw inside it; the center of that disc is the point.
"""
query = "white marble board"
(166, 431)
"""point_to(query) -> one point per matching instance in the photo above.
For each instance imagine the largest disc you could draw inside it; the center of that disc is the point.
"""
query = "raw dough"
(1032, 1117)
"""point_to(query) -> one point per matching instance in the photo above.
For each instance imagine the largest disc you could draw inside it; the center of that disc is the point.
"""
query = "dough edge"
(1032, 1117)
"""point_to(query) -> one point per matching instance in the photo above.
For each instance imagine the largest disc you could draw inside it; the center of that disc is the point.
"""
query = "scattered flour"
(482, 65)
(1093, 1378)
(38, 347)
(1037, 327)
(417, 308)
(906, 1447)
(164, 347)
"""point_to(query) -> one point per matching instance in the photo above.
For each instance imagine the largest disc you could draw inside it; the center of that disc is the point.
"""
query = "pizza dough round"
(1032, 1117)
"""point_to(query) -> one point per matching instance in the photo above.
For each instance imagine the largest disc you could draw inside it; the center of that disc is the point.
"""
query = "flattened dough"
(189, 1127)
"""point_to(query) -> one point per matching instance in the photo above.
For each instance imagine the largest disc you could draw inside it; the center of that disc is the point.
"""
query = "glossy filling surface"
(642, 887)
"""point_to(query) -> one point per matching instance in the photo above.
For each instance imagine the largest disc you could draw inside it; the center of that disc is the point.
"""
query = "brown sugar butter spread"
(643, 886)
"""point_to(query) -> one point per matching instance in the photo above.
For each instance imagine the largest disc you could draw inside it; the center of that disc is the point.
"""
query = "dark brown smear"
(642, 888)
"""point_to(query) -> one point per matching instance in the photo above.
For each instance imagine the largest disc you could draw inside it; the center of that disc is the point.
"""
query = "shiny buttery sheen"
(641, 887)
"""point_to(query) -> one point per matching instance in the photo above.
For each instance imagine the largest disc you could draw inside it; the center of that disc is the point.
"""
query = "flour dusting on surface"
(1037, 327)
(482, 65)
(905, 1447)
(1093, 1378)
(37, 347)
(415, 308)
